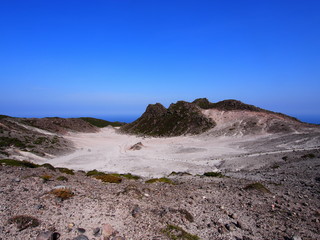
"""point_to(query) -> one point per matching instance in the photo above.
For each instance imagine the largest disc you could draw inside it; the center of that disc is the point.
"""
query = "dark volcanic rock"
(180, 118)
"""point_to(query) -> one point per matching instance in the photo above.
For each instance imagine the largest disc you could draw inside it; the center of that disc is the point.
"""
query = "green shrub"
(62, 178)
(62, 193)
(127, 175)
(94, 172)
(257, 186)
(175, 233)
(214, 174)
(163, 179)
(23, 222)
(66, 170)
(48, 166)
(109, 178)
(17, 163)
(46, 178)
(309, 155)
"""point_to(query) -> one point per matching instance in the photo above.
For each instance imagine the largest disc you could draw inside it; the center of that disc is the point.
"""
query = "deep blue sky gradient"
(113, 57)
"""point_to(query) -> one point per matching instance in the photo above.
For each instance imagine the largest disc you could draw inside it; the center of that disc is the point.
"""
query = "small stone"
(48, 235)
(97, 232)
(240, 225)
(17, 180)
(81, 230)
(136, 211)
(296, 237)
(81, 237)
(107, 230)
(39, 206)
(231, 227)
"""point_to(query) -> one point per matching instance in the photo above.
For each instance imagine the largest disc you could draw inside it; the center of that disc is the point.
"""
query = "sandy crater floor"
(110, 151)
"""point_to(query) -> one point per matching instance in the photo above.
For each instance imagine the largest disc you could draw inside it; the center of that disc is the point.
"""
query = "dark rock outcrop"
(179, 119)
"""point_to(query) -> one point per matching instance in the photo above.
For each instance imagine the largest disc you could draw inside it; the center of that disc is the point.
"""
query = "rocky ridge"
(228, 117)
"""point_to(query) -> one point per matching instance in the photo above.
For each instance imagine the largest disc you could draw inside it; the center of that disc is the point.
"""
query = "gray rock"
(81, 237)
(81, 230)
(296, 237)
(17, 180)
(136, 211)
(48, 235)
(97, 232)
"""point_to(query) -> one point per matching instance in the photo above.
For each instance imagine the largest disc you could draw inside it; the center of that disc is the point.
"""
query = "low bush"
(66, 171)
(62, 193)
(175, 233)
(163, 179)
(257, 186)
(62, 178)
(23, 222)
(214, 174)
(17, 163)
(109, 178)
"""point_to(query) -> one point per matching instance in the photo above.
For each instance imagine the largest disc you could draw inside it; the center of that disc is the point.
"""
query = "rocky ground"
(279, 201)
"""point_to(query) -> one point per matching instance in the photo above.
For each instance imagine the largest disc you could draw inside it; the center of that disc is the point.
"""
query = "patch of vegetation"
(127, 175)
(285, 158)
(163, 180)
(7, 142)
(23, 222)
(109, 178)
(62, 193)
(309, 155)
(17, 163)
(214, 174)
(46, 178)
(66, 171)
(180, 174)
(257, 186)
(40, 140)
(94, 172)
(101, 123)
(175, 233)
(48, 166)
(62, 178)
(275, 166)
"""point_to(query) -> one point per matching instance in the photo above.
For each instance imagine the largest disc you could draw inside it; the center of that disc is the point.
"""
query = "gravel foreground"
(284, 205)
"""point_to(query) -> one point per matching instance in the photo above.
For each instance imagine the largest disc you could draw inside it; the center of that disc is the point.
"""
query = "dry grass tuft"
(62, 193)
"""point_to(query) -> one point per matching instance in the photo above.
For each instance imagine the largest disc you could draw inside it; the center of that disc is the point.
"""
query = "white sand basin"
(110, 151)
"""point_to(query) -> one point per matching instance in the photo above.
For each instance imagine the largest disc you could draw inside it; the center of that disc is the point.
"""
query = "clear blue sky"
(113, 57)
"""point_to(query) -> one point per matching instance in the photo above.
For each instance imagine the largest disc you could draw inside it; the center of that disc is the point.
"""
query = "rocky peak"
(155, 110)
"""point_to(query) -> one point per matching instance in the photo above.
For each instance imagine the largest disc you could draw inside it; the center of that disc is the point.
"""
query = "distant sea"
(315, 119)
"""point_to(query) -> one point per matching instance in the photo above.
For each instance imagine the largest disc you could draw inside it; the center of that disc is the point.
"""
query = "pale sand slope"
(110, 151)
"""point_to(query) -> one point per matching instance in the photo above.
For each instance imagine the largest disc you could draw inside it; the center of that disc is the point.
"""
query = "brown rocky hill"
(41, 136)
(228, 117)
(180, 118)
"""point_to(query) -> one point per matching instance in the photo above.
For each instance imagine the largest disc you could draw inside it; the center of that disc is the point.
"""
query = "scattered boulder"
(137, 146)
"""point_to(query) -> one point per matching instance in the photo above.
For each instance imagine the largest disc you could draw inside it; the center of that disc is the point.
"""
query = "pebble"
(81, 237)
(17, 180)
(48, 235)
(118, 238)
(81, 230)
(136, 211)
(107, 230)
(97, 232)
(296, 237)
